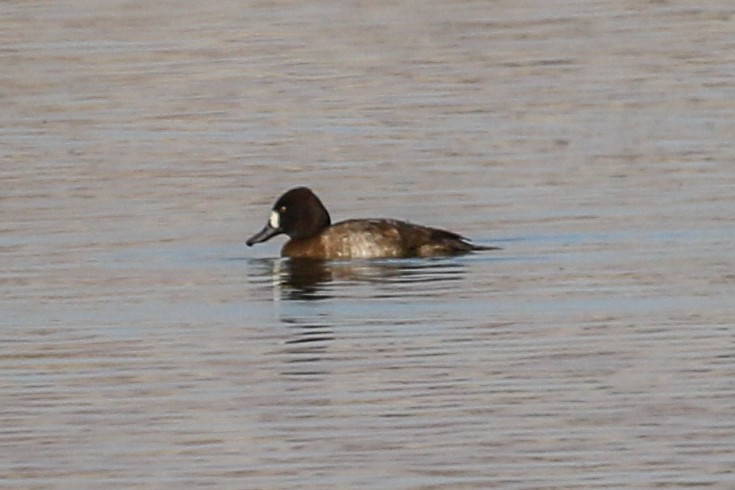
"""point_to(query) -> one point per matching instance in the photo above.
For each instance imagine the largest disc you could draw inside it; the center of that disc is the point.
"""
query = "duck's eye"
(282, 209)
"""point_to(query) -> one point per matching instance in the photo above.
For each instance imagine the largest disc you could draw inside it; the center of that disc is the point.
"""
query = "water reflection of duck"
(301, 215)
(310, 279)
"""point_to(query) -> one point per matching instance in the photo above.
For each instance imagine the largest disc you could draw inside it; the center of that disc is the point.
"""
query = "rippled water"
(144, 346)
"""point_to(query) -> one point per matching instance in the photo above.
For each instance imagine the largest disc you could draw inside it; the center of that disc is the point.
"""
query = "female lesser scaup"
(302, 216)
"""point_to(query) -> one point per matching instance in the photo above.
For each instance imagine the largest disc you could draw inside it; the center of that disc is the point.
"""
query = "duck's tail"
(482, 248)
(457, 243)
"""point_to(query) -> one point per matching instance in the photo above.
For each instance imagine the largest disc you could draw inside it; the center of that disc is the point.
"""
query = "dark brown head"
(298, 213)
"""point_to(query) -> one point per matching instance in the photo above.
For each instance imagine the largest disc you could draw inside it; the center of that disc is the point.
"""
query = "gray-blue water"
(144, 346)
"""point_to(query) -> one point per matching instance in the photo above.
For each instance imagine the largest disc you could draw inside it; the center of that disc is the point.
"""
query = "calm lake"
(144, 346)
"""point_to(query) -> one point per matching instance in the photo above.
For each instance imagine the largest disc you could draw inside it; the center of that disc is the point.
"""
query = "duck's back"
(373, 238)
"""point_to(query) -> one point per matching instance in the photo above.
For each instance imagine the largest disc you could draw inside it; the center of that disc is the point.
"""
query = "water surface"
(144, 346)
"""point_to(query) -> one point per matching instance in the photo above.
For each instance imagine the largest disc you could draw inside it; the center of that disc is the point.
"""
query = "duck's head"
(298, 213)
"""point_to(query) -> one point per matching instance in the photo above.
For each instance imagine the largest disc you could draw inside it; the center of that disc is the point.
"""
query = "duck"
(302, 216)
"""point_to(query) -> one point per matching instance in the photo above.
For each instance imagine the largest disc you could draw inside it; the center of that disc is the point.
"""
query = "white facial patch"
(275, 220)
